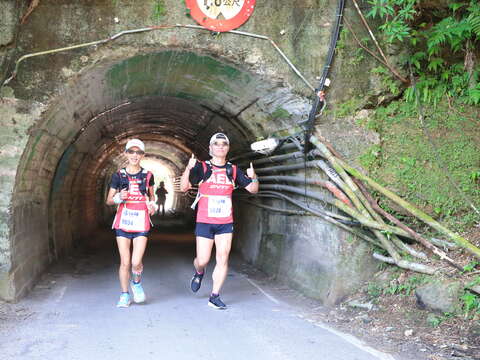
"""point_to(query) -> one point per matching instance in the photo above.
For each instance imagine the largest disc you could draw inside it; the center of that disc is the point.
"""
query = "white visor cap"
(219, 136)
(135, 142)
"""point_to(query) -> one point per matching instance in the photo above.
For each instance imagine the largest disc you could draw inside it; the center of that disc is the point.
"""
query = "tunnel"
(173, 100)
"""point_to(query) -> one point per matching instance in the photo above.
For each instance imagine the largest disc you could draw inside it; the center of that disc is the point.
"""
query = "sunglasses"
(223, 143)
(138, 152)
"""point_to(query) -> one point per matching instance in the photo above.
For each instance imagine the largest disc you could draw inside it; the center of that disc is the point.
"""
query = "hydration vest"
(132, 215)
(214, 195)
(144, 176)
(231, 170)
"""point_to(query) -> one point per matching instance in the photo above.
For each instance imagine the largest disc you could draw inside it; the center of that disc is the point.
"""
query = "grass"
(407, 287)
(158, 9)
(407, 163)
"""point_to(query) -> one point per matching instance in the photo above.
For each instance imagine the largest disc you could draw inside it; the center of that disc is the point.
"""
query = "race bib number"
(219, 206)
(132, 220)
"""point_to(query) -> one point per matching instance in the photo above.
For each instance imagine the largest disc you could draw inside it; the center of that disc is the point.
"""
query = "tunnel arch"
(172, 99)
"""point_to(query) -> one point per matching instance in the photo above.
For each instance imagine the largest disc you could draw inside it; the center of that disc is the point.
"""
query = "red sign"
(221, 15)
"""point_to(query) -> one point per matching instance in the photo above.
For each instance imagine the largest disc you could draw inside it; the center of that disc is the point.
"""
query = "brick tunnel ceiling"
(180, 126)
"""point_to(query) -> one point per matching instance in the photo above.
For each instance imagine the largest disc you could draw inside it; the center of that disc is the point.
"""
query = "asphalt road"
(71, 314)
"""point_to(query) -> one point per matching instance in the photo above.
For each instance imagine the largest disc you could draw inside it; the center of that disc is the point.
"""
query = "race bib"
(132, 220)
(219, 206)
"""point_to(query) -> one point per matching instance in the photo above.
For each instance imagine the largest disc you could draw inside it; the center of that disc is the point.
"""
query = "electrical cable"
(319, 90)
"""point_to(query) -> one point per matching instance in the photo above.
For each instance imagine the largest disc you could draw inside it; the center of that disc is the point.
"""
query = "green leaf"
(435, 64)
(456, 6)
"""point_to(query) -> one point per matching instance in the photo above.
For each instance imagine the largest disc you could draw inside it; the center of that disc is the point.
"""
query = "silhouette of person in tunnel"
(161, 197)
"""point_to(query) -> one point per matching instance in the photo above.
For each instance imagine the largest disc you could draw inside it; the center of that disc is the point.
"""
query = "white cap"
(135, 142)
(219, 136)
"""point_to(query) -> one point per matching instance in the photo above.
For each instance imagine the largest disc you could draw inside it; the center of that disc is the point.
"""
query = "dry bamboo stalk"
(388, 245)
(421, 268)
(349, 187)
(328, 150)
(475, 288)
(327, 218)
(444, 244)
(396, 241)
(341, 183)
(408, 249)
(413, 234)
(462, 242)
(371, 223)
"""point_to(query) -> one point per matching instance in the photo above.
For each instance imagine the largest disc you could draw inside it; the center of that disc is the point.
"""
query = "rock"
(439, 296)
(363, 114)
(356, 304)
(408, 332)
(365, 319)
(9, 20)
(474, 331)
(6, 91)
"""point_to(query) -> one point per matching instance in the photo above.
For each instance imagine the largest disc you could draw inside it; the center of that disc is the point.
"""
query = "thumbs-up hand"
(251, 172)
(124, 194)
(191, 162)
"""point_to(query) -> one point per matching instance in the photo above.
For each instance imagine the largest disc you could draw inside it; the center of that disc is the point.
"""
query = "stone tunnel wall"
(49, 150)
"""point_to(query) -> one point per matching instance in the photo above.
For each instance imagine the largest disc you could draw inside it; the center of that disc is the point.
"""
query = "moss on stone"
(174, 73)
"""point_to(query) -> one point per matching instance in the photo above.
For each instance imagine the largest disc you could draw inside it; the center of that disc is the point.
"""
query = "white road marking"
(270, 297)
(356, 342)
(61, 293)
(349, 338)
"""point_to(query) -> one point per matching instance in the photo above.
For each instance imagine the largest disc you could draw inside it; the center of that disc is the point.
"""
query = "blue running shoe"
(138, 293)
(124, 300)
(216, 303)
(196, 282)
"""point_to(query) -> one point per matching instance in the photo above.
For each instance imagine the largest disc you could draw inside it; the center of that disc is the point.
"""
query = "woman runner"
(131, 189)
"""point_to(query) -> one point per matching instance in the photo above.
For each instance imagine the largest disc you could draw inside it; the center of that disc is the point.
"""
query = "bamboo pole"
(413, 234)
(323, 216)
(355, 195)
(421, 268)
(462, 242)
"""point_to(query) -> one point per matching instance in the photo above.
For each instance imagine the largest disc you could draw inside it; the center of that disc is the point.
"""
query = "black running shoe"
(216, 303)
(196, 282)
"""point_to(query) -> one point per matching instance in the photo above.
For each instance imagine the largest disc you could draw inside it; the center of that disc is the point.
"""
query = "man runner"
(216, 181)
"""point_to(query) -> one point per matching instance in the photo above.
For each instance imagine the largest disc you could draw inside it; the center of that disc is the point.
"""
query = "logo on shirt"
(219, 180)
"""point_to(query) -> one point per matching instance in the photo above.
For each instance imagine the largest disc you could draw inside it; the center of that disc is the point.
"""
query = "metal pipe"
(278, 158)
(281, 196)
(294, 179)
(338, 193)
(271, 208)
(297, 191)
(153, 28)
(323, 216)
(308, 164)
(288, 146)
